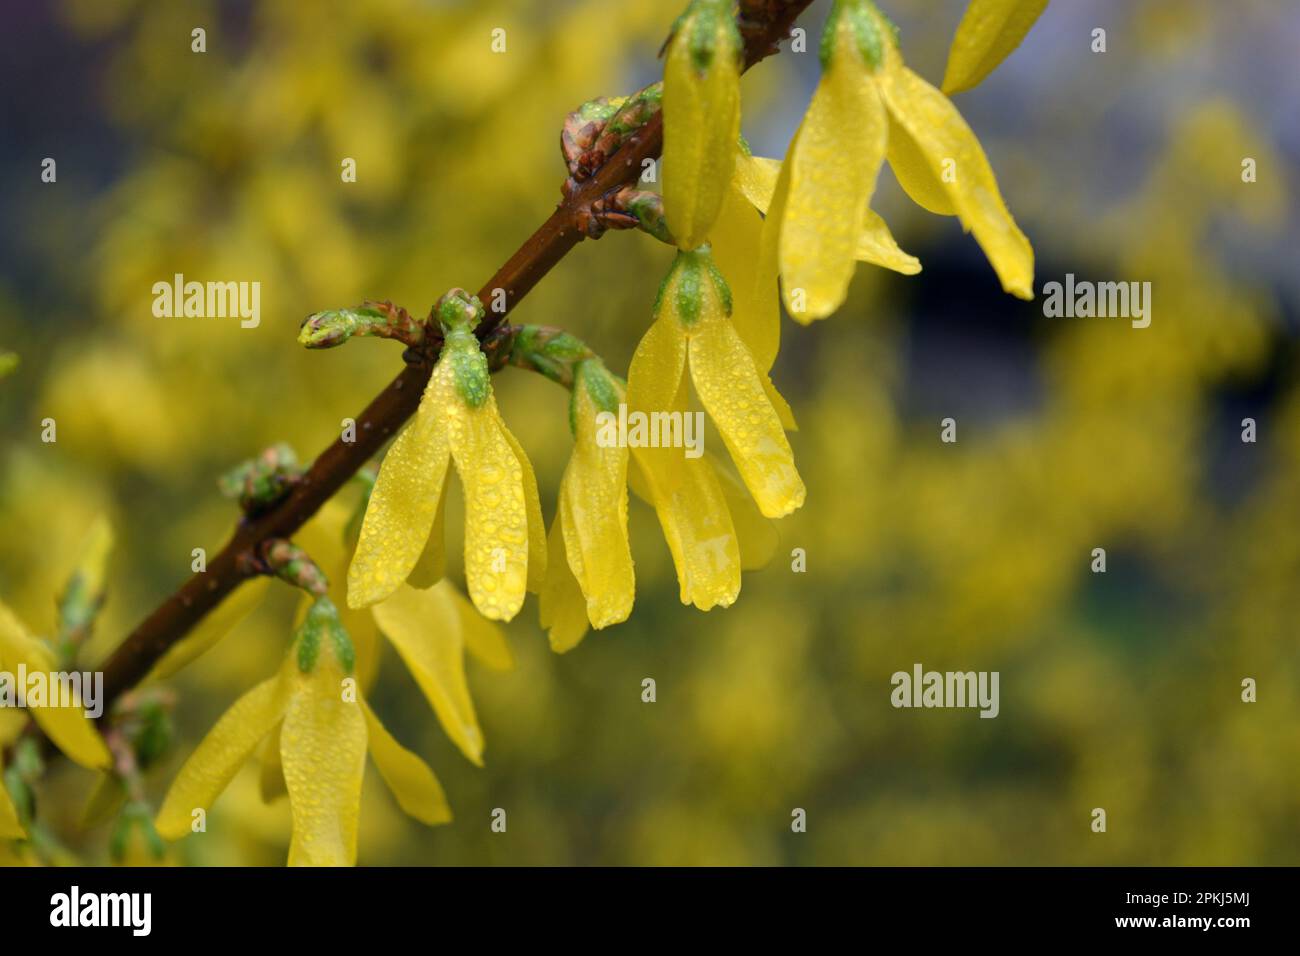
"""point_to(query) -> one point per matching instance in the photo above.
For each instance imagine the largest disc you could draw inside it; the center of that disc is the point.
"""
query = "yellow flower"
(458, 421)
(589, 534)
(68, 727)
(988, 32)
(701, 110)
(693, 321)
(713, 530)
(325, 728)
(867, 107)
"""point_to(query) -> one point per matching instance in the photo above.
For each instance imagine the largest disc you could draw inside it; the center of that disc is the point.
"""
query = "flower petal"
(223, 751)
(536, 525)
(731, 390)
(756, 535)
(425, 628)
(755, 177)
(561, 610)
(323, 748)
(409, 778)
(496, 511)
(405, 499)
(834, 162)
(697, 526)
(928, 138)
(989, 31)
(655, 374)
(71, 730)
(593, 518)
(736, 241)
(877, 246)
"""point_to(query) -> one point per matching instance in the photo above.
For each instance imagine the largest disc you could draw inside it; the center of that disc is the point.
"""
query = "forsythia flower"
(713, 530)
(701, 110)
(712, 526)
(989, 31)
(693, 322)
(324, 727)
(869, 106)
(589, 534)
(69, 727)
(458, 421)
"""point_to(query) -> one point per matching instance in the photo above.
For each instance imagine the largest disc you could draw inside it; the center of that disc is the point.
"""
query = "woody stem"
(763, 24)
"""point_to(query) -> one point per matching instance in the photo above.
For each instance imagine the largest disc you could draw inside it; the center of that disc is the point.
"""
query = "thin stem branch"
(763, 23)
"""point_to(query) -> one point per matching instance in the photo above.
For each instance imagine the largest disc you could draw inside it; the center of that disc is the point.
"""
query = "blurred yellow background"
(1119, 690)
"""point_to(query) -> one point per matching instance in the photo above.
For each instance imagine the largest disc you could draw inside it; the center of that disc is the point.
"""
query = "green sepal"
(862, 19)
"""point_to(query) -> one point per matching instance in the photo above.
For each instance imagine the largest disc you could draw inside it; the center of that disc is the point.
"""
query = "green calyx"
(693, 276)
(709, 29)
(863, 19)
(323, 622)
(459, 313)
(603, 389)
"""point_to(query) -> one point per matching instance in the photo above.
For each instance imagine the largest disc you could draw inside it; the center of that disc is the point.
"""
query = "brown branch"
(763, 24)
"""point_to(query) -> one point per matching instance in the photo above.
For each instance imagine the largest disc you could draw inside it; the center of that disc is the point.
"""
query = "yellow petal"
(405, 498)
(736, 241)
(536, 526)
(409, 778)
(323, 749)
(929, 144)
(561, 610)
(10, 828)
(834, 162)
(756, 535)
(483, 638)
(655, 374)
(270, 781)
(431, 566)
(223, 751)
(496, 511)
(425, 628)
(68, 727)
(593, 518)
(701, 124)
(104, 801)
(765, 273)
(697, 526)
(988, 32)
(755, 177)
(877, 246)
(731, 390)
(223, 619)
